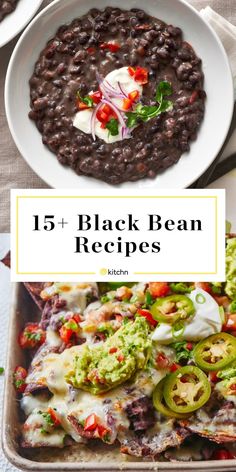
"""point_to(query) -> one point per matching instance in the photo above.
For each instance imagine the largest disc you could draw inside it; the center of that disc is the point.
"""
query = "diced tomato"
(120, 358)
(102, 430)
(193, 97)
(104, 114)
(65, 334)
(127, 104)
(32, 336)
(112, 350)
(54, 417)
(118, 317)
(174, 367)
(222, 454)
(140, 74)
(102, 117)
(213, 377)
(77, 318)
(231, 323)
(81, 105)
(91, 50)
(91, 422)
(162, 361)
(189, 346)
(113, 47)
(204, 286)
(148, 316)
(19, 377)
(96, 96)
(134, 95)
(131, 71)
(158, 289)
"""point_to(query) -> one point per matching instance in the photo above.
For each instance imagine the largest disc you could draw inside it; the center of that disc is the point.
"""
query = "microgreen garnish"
(145, 112)
(113, 126)
(1, 370)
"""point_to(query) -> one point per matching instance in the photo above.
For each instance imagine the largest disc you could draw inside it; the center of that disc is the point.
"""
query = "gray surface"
(14, 172)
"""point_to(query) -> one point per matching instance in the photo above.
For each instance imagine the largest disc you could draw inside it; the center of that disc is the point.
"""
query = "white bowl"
(13, 23)
(218, 86)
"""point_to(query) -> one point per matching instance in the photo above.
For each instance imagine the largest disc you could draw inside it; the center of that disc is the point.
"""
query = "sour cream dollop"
(206, 321)
(82, 119)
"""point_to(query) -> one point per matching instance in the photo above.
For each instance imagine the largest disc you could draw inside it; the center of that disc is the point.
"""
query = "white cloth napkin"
(227, 34)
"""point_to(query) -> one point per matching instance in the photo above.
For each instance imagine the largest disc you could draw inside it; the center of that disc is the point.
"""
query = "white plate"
(218, 85)
(13, 23)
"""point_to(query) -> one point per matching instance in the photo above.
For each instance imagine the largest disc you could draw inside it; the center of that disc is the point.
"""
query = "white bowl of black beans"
(14, 16)
(62, 52)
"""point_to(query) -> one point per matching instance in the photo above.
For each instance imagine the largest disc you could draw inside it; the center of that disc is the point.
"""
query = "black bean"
(83, 38)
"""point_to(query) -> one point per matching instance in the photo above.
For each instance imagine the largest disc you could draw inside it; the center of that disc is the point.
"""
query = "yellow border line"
(115, 197)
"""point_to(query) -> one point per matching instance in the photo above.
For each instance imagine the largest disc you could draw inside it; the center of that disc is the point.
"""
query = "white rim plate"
(218, 85)
(15, 22)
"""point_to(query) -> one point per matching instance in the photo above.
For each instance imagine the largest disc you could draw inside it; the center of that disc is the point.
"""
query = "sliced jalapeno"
(186, 390)
(159, 403)
(172, 309)
(215, 352)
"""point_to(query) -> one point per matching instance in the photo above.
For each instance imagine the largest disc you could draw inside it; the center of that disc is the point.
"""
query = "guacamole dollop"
(230, 287)
(100, 368)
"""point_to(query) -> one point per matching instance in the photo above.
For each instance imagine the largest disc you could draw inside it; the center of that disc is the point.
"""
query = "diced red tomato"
(91, 422)
(147, 314)
(102, 430)
(113, 47)
(140, 74)
(112, 350)
(104, 114)
(96, 96)
(213, 377)
(19, 377)
(231, 323)
(65, 334)
(91, 50)
(189, 346)
(81, 105)
(162, 361)
(127, 104)
(222, 454)
(121, 358)
(193, 97)
(134, 95)
(131, 71)
(158, 289)
(32, 336)
(77, 318)
(204, 286)
(174, 367)
(54, 417)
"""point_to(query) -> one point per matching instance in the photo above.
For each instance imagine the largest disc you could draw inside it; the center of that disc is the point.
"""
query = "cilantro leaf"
(182, 353)
(2, 370)
(113, 126)
(180, 287)
(145, 112)
(163, 89)
(87, 100)
(132, 119)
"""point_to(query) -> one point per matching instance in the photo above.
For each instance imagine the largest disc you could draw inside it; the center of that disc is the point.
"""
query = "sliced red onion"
(93, 119)
(122, 90)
